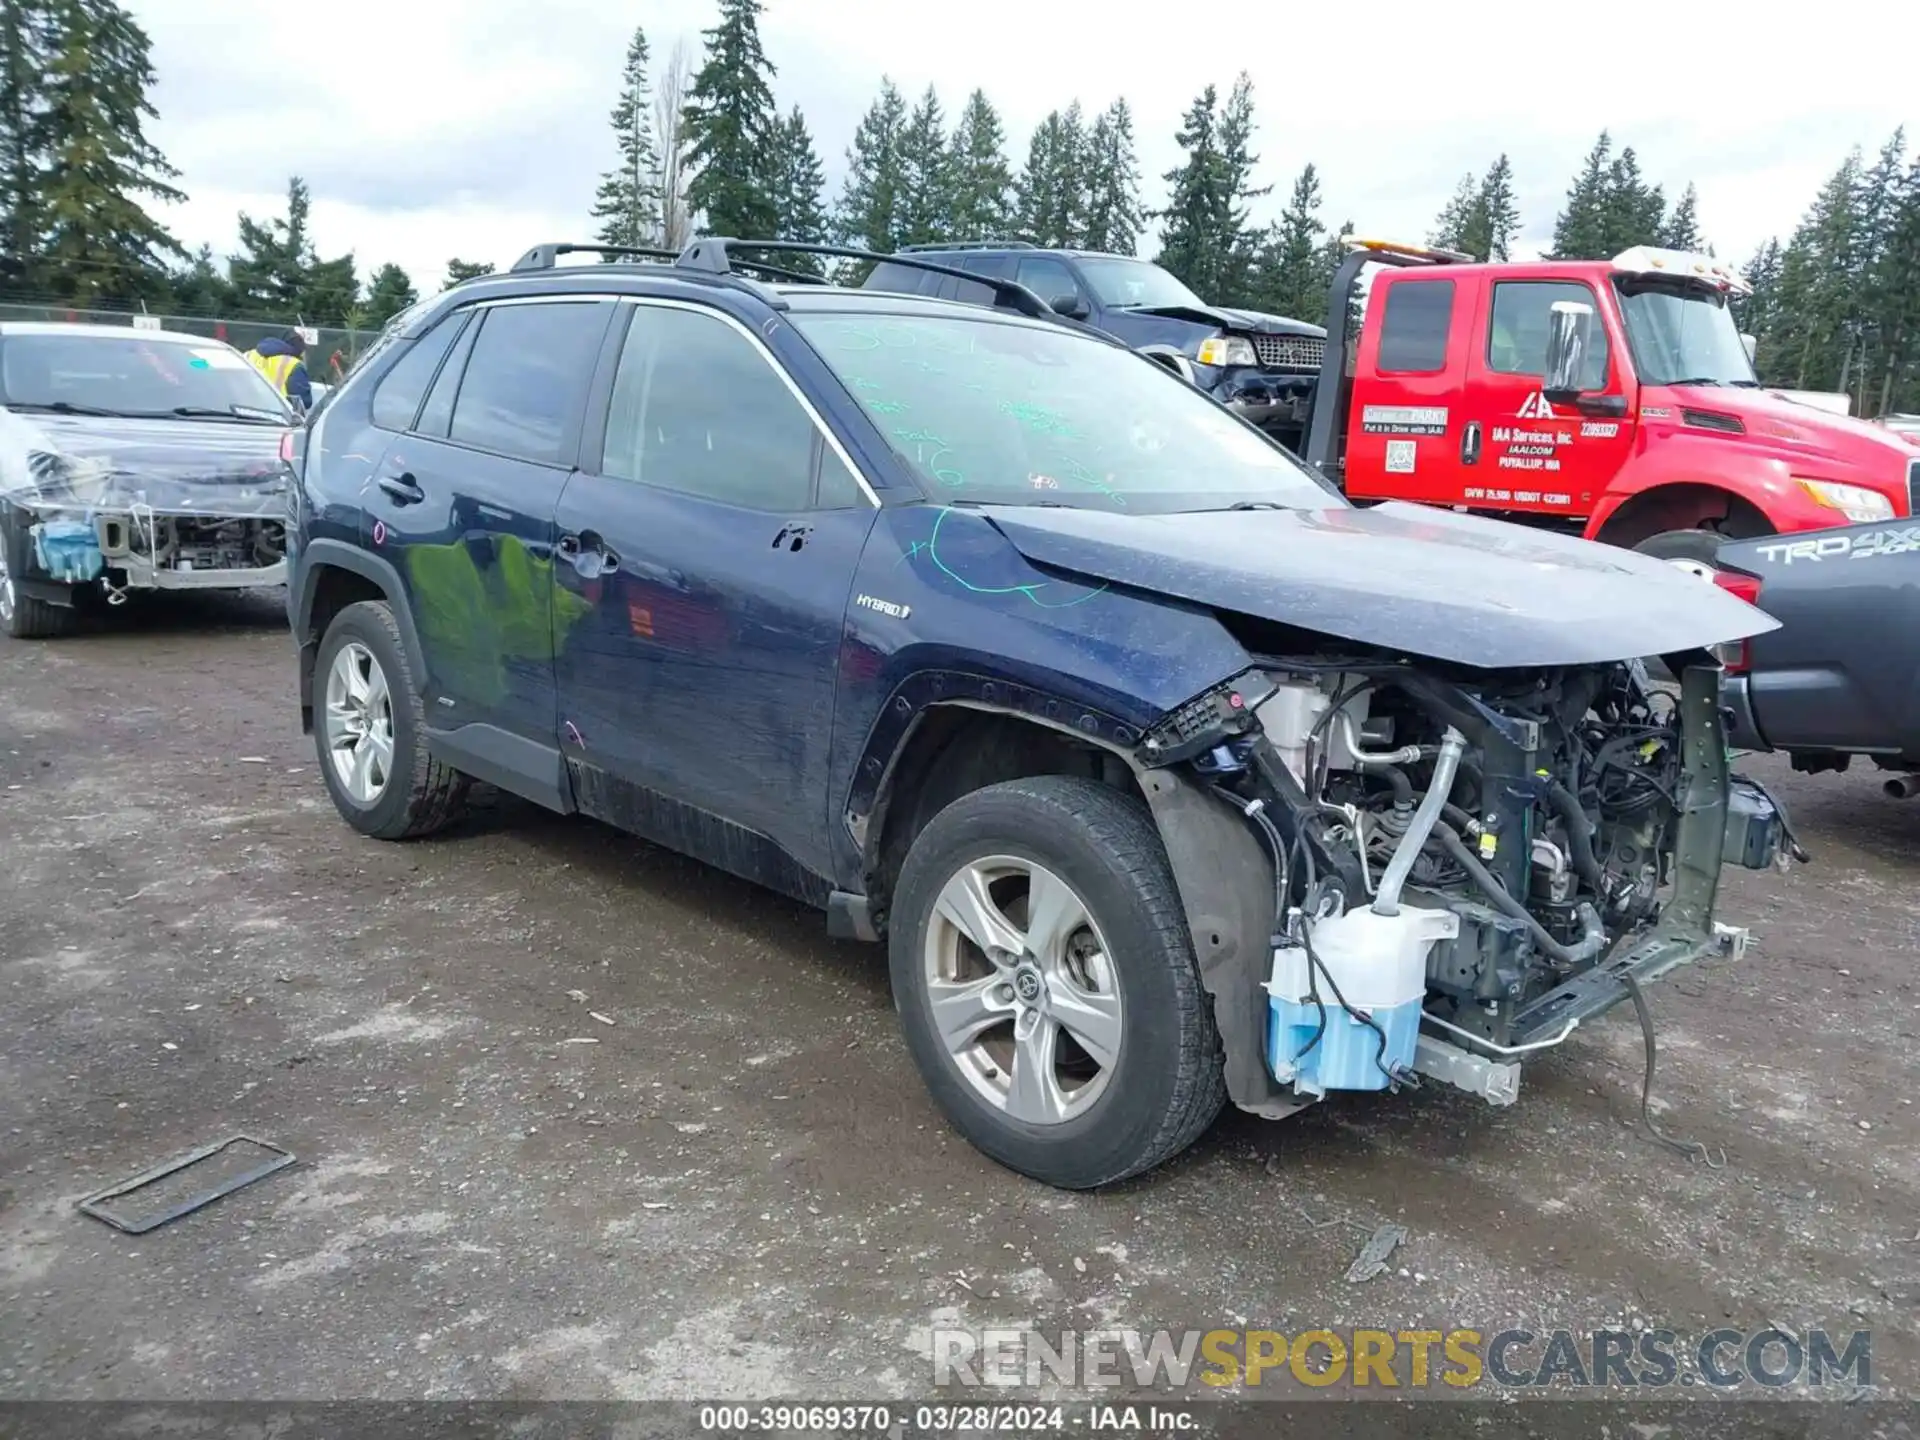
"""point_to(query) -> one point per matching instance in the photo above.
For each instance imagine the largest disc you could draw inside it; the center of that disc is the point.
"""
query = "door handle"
(589, 554)
(403, 488)
(1470, 444)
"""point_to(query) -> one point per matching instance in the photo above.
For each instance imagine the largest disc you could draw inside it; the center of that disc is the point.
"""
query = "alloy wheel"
(1023, 993)
(359, 723)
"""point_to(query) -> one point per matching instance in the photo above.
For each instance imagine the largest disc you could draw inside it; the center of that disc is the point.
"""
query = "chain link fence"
(324, 343)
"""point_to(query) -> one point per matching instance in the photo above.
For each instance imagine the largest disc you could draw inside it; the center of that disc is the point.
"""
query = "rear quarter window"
(1414, 326)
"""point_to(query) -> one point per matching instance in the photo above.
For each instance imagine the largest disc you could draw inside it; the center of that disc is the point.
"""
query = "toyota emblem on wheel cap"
(1027, 984)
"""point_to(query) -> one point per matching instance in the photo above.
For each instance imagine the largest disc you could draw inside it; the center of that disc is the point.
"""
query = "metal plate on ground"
(182, 1185)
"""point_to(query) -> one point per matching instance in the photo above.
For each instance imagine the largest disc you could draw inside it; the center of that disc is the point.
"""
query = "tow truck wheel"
(1695, 551)
(1045, 980)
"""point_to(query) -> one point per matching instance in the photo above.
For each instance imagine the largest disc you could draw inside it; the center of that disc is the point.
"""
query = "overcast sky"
(429, 129)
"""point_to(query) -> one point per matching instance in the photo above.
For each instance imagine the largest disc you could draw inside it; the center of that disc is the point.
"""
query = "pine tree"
(458, 270)
(1114, 216)
(1682, 230)
(25, 41)
(1456, 217)
(981, 180)
(1052, 189)
(729, 123)
(1243, 245)
(1634, 212)
(1498, 211)
(926, 187)
(1876, 306)
(269, 275)
(627, 204)
(1291, 274)
(1580, 229)
(1758, 314)
(329, 292)
(799, 192)
(1896, 290)
(102, 245)
(389, 293)
(869, 213)
(1197, 229)
(201, 288)
(1815, 293)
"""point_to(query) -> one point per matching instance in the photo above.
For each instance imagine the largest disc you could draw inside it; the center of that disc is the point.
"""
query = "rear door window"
(526, 380)
(1414, 328)
(437, 413)
(1048, 278)
(396, 399)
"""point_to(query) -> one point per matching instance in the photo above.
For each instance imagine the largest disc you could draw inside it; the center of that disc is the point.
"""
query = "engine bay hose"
(1386, 900)
(1590, 943)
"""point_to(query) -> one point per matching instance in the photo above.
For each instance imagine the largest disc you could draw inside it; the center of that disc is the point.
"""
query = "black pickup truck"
(1841, 676)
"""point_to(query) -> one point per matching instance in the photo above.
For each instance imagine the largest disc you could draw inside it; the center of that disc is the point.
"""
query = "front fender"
(1670, 459)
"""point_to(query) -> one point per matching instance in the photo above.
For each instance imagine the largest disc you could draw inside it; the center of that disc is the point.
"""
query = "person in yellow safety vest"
(283, 360)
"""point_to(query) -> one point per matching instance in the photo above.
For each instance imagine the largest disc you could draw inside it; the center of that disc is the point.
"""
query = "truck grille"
(1913, 487)
(1289, 352)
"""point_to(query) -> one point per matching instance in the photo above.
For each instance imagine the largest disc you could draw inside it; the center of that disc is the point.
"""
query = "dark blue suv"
(1264, 367)
(1168, 777)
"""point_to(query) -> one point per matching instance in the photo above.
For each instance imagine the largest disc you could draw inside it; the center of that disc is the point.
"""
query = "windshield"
(133, 376)
(1120, 283)
(989, 412)
(1681, 336)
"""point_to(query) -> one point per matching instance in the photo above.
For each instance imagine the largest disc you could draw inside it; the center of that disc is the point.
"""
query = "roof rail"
(545, 257)
(713, 254)
(969, 245)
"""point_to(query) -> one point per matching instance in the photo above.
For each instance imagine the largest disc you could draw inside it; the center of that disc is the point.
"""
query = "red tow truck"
(1613, 398)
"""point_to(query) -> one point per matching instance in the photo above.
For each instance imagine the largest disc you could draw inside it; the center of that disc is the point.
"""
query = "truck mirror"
(1070, 305)
(1569, 334)
(1750, 344)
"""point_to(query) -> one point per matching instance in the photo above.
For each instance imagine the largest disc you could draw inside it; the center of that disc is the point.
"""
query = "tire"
(415, 795)
(24, 617)
(1694, 550)
(1131, 967)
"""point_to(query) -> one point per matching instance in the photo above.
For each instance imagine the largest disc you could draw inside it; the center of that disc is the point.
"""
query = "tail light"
(286, 447)
(1735, 655)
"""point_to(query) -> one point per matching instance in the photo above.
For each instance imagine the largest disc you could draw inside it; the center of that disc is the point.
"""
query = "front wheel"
(1045, 980)
(23, 617)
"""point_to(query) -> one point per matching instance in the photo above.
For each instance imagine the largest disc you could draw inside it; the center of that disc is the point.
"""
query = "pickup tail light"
(286, 447)
(1735, 655)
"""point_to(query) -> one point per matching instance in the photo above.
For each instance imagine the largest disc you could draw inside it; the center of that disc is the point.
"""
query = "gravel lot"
(740, 1189)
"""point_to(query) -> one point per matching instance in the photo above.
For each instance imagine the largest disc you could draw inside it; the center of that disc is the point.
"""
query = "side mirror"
(1569, 334)
(1071, 306)
(1750, 344)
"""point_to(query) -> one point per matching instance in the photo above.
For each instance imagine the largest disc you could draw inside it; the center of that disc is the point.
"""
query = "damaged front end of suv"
(1435, 837)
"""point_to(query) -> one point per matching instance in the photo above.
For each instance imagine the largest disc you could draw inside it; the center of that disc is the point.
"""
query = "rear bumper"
(1743, 727)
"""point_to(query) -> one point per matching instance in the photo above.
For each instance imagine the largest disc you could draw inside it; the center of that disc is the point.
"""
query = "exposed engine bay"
(123, 504)
(1468, 864)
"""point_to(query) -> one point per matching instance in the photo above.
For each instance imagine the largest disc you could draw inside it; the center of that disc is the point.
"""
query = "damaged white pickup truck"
(132, 460)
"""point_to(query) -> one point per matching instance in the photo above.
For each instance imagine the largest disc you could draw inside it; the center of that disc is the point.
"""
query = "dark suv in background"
(1261, 366)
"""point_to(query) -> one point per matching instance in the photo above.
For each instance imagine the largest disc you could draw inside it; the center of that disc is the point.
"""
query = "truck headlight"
(1856, 502)
(1227, 350)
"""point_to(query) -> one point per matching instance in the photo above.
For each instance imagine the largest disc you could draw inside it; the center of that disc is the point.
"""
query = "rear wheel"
(1045, 981)
(370, 732)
